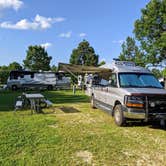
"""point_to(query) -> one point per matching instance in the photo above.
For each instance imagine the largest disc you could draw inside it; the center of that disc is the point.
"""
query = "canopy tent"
(79, 69)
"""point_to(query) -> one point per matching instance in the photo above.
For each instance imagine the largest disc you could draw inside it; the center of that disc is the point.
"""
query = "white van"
(132, 93)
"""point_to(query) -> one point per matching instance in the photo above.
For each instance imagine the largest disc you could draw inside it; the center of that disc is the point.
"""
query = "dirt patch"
(69, 109)
(85, 156)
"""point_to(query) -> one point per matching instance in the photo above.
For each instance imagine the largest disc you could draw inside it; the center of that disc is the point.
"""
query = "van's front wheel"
(118, 115)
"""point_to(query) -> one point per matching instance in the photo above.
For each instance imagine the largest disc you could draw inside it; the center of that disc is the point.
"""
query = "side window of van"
(113, 80)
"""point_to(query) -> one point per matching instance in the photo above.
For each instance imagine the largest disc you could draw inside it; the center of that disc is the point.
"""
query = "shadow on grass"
(8, 98)
(152, 124)
(69, 109)
(61, 97)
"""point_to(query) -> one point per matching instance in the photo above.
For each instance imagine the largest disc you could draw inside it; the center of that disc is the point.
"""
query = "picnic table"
(35, 101)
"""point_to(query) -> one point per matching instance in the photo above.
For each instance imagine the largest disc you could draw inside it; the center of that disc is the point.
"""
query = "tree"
(157, 73)
(4, 74)
(84, 54)
(5, 70)
(54, 68)
(37, 58)
(131, 52)
(14, 66)
(150, 30)
(102, 63)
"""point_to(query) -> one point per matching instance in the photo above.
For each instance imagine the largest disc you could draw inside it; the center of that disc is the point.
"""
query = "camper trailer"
(37, 80)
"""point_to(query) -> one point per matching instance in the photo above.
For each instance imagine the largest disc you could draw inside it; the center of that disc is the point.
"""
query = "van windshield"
(139, 80)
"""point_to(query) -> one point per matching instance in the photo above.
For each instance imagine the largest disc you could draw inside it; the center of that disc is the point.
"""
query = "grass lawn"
(72, 133)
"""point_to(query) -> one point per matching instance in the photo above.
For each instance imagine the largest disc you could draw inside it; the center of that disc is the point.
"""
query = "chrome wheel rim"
(117, 116)
(92, 102)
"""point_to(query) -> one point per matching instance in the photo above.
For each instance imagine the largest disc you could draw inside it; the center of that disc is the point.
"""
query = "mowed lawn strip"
(72, 133)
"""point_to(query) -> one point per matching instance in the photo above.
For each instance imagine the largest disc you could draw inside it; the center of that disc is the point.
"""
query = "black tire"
(14, 87)
(50, 87)
(93, 102)
(118, 116)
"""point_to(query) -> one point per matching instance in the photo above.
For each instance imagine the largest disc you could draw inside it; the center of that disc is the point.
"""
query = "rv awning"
(82, 69)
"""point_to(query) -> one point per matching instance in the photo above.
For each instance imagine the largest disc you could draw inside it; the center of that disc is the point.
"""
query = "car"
(133, 93)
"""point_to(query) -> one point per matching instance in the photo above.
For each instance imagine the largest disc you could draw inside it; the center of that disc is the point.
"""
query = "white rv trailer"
(20, 79)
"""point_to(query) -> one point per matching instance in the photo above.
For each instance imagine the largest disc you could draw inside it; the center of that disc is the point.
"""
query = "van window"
(140, 80)
(113, 80)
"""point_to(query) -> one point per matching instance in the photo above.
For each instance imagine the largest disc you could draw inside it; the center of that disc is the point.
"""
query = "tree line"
(37, 59)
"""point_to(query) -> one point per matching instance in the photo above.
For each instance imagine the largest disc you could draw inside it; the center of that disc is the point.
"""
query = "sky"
(59, 26)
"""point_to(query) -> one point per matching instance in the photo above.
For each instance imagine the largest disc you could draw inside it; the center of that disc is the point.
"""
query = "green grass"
(72, 133)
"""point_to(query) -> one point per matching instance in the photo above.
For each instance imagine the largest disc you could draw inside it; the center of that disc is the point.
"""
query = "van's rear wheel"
(14, 87)
(118, 115)
(93, 102)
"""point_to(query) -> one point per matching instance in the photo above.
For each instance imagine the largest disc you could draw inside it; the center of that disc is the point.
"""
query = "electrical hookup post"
(74, 89)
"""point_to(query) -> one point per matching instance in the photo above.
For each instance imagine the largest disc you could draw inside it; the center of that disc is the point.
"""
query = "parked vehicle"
(132, 93)
(41, 80)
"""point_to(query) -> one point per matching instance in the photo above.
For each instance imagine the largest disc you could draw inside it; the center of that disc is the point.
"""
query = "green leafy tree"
(4, 74)
(150, 30)
(84, 54)
(14, 66)
(5, 70)
(131, 52)
(102, 63)
(164, 76)
(164, 72)
(54, 68)
(157, 73)
(37, 58)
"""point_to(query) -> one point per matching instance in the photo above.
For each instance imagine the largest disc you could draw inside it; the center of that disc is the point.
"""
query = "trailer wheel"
(14, 87)
(118, 115)
(93, 101)
(50, 87)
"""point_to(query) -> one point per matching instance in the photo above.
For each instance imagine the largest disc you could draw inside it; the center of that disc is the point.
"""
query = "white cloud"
(46, 45)
(82, 34)
(118, 41)
(66, 35)
(14, 4)
(39, 22)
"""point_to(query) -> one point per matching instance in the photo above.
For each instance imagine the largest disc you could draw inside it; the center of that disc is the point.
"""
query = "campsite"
(83, 83)
(75, 134)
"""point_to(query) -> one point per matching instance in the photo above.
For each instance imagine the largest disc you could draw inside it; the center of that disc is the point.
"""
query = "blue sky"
(61, 24)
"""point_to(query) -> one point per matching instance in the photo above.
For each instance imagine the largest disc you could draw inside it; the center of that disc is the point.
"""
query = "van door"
(111, 94)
